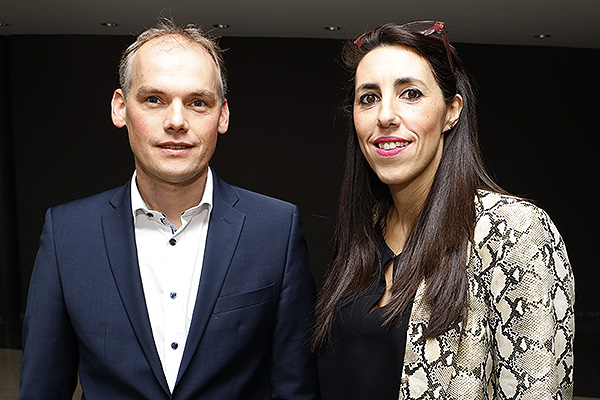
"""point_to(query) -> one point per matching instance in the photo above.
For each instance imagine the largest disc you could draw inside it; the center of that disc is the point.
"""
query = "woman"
(442, 285)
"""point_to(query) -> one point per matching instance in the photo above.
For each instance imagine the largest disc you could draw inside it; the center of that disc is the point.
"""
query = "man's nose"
(176, 119)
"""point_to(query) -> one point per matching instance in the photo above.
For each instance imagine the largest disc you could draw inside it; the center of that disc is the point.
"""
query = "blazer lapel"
(224, 230)
(119, 237)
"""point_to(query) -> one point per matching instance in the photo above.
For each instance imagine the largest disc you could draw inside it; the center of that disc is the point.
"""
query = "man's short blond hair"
(167, 27)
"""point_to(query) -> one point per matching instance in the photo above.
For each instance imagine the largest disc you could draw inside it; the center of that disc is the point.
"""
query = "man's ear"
(224, 118)
(118, 109)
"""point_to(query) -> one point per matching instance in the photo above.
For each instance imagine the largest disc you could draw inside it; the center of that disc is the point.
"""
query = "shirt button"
(172, 242)
(174, 346)
(173, 295)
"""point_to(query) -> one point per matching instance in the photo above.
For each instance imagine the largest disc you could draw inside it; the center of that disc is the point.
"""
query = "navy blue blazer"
(86, 314)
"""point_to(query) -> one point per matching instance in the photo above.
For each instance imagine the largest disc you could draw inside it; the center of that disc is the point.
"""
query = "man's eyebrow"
(147, 90)
(204, 93)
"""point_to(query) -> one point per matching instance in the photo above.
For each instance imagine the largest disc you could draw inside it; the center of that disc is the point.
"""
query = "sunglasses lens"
(425, 27)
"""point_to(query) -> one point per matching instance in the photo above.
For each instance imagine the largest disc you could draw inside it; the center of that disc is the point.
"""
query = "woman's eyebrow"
(397, 82)
(404, 81)
(368, 86)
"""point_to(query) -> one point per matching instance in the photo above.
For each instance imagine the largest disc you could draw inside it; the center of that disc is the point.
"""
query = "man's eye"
(198, 103)
(411, 94)
(152, 99)
(368, 98)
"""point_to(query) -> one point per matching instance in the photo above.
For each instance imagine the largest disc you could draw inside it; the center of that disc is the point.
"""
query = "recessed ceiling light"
(542, 36)
(222, 26)
(3, 24)
(109, 24)
(332, 28)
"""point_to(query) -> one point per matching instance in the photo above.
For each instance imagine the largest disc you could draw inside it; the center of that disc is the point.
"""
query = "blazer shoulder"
(492, 202)
(495, 210)
(258, 198)
(94, 204)
(265, 210)
(249, 201)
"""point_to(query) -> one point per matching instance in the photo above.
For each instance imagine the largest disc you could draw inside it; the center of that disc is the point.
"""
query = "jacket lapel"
(119, 237)
(224, 230)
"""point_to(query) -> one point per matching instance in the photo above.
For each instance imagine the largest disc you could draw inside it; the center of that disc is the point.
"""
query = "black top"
(363, 359)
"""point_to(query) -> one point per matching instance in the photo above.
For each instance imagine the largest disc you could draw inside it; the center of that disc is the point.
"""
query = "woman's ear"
(453, 113)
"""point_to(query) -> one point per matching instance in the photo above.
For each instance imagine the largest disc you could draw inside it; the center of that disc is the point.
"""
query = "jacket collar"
(224, 231)
(119, 238)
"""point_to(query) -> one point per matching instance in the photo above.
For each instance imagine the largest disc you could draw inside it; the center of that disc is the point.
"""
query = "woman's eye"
(411, 94)
(368, 98)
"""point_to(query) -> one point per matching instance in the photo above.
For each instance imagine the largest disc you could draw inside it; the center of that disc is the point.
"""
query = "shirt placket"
(174, 268)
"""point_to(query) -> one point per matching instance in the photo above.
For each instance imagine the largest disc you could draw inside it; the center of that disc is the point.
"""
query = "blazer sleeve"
(293, 368)
(50, 352)
(532, 291)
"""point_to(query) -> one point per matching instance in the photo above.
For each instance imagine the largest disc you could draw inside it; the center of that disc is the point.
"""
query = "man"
(176, 285)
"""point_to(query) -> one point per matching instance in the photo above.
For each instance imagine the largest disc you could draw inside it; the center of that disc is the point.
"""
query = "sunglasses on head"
(425, 28)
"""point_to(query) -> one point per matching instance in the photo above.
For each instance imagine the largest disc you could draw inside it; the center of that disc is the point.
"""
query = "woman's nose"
(387, 115)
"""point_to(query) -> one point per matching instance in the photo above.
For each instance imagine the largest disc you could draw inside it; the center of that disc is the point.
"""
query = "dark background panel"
(65, 145)
(284, 139)
(537, 109)
(538, 112)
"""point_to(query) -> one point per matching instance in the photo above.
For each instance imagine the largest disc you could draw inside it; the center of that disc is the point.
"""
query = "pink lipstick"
(389, 146)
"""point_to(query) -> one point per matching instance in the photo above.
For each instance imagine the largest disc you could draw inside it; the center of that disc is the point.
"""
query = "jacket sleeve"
(532, 290)
(293, 370)
(50, 352)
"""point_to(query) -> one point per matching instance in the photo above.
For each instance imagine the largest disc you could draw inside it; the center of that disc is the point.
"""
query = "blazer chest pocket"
(237, 301)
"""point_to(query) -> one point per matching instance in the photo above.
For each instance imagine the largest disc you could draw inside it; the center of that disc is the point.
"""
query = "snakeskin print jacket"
(517, 341)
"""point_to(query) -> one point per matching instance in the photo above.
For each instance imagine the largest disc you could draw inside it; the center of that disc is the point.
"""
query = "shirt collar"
(138, 206)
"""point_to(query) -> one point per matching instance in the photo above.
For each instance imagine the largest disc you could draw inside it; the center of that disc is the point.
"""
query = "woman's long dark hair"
(436, 248)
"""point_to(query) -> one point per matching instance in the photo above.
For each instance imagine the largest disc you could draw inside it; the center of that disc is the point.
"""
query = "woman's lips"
(390, 146)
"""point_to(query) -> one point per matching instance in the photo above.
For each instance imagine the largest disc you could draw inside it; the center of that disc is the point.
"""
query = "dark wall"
(537, 111)
(9, 266)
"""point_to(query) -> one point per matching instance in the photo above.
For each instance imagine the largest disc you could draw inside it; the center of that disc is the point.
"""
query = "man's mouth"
(174, 146)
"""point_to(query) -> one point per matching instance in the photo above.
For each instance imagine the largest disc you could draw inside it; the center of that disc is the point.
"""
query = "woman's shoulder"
(494, 202)
(508, 208)
(500, 214)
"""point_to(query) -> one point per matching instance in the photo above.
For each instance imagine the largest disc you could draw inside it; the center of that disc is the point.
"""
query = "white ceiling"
(571, 23)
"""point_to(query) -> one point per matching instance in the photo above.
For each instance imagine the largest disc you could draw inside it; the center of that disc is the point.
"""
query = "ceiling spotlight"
(332, 28)
(109, 24)
(222, 26)
(3, 24)
(542, 36)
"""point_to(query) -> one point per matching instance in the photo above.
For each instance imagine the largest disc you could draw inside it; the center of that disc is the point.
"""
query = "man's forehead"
(174, 60)
(155, 54)
(168, 43)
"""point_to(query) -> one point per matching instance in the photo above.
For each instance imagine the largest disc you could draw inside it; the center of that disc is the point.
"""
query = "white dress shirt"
(170, 263)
